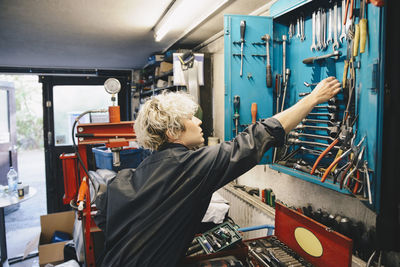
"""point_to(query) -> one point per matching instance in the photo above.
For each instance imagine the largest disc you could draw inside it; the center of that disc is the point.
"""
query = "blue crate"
(130, 158)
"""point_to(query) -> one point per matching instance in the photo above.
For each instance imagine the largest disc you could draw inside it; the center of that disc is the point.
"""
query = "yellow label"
(308, 241)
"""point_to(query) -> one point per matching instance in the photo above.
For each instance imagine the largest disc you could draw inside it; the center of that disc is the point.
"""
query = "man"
(152, 214)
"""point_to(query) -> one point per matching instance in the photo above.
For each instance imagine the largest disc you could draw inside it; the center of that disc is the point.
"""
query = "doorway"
(26, 153)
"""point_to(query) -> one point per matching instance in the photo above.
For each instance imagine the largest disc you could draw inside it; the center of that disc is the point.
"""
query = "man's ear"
(170, 136)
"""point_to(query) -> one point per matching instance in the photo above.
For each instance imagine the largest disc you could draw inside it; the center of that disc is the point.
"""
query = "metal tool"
(330, 26)
(318, 121)
(335, 31)
(351, 11)
(345, 136)
(277, 91)
(313, 46)
(330, 108)
(303, 142)
(236, 116)
(339, 24)
(287, 75)
(284, 39)
(356, 41)
(331, 116)
(343, 35)
(302, 35)
(309, 85)
(363, 27)
(323, 29)
(312, 136)
(298, 28)
(366, 171)
(354, 149)
(318, 30)
(242, 31)
(332, 130)
(357, 159)
(266, 38)
(336, 54)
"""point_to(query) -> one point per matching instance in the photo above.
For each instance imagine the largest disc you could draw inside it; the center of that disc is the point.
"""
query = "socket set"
(272, 252)
(215, 240)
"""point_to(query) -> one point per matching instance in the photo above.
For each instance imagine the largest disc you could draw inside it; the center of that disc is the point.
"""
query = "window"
(70, 102)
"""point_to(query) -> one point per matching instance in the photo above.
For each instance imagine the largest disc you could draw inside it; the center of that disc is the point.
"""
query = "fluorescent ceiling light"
(184, 16)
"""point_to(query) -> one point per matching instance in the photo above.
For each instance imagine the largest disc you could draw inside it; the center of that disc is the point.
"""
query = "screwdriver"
(363, 28)
(253, 112)
(242, 30)
(236, 105)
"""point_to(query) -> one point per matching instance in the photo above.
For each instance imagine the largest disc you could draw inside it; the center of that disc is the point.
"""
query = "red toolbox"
(298, 241)
(304, 240)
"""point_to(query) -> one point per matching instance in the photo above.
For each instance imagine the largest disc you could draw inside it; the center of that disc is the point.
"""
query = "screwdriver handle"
(346, 69)
(236, 104)
(242, 30)
(363, 34)
(269, 76)
(253, 112)
(356, 40)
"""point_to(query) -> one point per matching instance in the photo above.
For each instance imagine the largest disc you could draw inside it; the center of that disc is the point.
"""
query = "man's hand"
(326, 89)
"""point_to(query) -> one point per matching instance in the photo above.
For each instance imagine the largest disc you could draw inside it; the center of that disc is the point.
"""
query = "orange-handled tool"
(253, 112)
(83, 189)
(323, 154)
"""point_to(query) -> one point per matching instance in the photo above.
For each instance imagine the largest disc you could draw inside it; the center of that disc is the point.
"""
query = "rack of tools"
(282, 58)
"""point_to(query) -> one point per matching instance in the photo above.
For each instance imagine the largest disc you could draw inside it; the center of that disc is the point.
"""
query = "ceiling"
(94, 34)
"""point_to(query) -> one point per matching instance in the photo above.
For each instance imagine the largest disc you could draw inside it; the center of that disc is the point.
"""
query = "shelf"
(148, 92)
(310, 178)
(165, 74)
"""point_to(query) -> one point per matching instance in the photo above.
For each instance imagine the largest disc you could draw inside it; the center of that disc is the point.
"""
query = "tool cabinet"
(367, 101)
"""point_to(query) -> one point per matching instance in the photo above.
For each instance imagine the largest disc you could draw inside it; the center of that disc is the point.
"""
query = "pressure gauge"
(112, 86)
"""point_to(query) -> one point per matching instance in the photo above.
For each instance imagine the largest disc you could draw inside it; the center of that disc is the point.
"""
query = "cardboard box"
(165, 67)
(54, 252)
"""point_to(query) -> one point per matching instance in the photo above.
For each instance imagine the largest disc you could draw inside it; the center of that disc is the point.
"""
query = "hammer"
(266, 38)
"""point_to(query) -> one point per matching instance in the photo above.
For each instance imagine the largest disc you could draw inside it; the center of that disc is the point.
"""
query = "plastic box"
(130, 158)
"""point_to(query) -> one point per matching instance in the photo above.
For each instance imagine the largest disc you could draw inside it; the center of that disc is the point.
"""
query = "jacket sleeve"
(223, 163)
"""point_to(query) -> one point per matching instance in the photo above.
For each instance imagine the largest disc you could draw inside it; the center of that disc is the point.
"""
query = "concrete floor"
(23, 224)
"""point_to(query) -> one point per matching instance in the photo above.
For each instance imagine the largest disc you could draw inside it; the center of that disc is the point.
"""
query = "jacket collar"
(170, 145)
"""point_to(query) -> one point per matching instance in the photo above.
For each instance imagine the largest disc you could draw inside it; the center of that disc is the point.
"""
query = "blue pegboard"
(369, 89)
(251, 87)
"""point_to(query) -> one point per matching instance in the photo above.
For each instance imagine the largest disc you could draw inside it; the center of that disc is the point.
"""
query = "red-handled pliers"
(347, 8)
(354, 149)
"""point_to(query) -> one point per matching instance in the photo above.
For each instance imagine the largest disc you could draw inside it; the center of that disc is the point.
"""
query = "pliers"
(347, 8)
(357, 164)
(344, 136)
(354, 149)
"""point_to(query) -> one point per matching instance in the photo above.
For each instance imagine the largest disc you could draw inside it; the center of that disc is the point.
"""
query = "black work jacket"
(151, 215)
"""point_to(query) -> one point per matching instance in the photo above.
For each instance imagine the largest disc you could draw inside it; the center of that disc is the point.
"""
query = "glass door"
(64, 98)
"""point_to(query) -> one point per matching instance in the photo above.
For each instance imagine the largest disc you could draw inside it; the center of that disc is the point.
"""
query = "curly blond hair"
(162, 113)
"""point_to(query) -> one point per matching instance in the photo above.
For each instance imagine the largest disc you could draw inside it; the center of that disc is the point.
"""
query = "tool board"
(366, 103)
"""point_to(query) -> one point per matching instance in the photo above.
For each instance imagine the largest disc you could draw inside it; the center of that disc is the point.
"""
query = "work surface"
(10, 199)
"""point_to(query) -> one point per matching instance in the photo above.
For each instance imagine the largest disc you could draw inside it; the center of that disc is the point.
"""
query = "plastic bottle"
(12, 179)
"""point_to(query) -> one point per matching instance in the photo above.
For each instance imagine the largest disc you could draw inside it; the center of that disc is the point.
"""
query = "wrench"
(339, 23)
(343, 35)
(330, 20)
(302, 38)
(318, 30)
(298, 28)
(313, 47)
(335, 33)
(323, 15)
